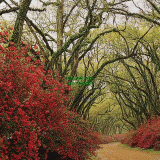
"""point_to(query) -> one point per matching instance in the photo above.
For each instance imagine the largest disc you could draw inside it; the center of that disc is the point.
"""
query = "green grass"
(140, 149)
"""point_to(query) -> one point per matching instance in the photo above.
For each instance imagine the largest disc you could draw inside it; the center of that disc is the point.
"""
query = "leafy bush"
(32, 110)
(128, 137)
(104, 139)
(118, 137)
(147, 136)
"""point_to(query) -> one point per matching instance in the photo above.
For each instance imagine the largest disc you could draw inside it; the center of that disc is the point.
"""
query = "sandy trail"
(113, 151)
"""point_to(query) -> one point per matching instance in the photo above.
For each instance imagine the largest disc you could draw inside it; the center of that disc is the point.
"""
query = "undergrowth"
(146, 136)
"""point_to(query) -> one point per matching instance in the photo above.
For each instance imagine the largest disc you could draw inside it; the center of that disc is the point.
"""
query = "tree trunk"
(18, 27)
(60, 30)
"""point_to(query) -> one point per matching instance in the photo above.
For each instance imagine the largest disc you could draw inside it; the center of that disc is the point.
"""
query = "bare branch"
(66, 19)
(154, 6)
(14, 9)
(41, 33)
(37, 9)
(95, 39)
(49, 3)
(51, 38)
(112, 61)
(15, 3)
(138, 7)
(141, 38)
(136, 15)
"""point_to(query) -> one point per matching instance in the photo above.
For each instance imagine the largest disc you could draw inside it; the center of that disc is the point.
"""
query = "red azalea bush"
(118, 137)
(147, 136)
(33, 116)
(128, 137)
(105, 139)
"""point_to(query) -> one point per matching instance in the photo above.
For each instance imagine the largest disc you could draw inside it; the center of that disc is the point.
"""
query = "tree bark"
(18, 28)
(59, 32)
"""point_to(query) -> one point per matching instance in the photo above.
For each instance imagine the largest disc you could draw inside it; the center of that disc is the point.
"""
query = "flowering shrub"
(128, 137)
(32, 110)
(105, 139)
(118, 137)
(147, 136)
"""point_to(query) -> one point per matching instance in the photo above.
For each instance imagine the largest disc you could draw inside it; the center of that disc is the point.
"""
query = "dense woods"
(114, 42)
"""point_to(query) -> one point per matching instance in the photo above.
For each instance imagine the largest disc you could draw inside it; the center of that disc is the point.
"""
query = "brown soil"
(113, 151)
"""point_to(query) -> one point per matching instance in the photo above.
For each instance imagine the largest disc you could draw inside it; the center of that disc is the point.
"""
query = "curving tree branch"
(136, 15)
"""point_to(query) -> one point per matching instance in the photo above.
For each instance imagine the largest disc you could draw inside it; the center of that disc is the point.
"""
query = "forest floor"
(115, 151)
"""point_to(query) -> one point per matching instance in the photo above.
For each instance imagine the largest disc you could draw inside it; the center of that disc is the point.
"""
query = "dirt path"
(113, 151)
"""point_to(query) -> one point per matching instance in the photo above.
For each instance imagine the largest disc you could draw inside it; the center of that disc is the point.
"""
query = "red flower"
(20, 111)
(38, 61)
(11, 43)
(1, 48)
(39, 142)
(8, 118)
(17, 102)
(35, 47)
(55, 89)
(65, 98)
(15, 118)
